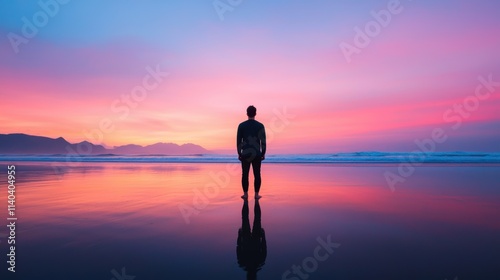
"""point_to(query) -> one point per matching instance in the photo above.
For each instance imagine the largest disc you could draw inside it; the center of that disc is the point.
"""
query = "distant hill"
(23, 144)
(159, 149)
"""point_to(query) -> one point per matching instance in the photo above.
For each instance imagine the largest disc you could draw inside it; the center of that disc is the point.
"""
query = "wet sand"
(183, 221)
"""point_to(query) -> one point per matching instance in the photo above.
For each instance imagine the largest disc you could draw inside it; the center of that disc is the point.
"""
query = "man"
(251, 147)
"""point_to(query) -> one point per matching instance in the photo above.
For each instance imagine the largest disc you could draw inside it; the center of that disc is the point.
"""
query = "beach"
(183, 221)
(128, 129)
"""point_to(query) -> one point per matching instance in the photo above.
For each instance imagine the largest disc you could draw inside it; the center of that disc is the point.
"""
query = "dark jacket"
(251, 139)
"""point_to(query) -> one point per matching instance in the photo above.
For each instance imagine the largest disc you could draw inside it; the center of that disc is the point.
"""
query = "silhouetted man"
(251, 147)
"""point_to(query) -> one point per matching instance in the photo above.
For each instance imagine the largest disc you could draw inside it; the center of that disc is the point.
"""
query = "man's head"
(251, 111)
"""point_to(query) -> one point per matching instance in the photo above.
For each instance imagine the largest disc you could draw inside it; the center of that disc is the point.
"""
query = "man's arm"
(238, 140)
(263, 145)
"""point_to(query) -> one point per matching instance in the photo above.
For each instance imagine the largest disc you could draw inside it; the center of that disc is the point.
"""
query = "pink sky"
(395, 91)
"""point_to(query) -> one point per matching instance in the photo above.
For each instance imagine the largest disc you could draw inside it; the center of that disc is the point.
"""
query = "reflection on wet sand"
(104, 216)
(251, 249)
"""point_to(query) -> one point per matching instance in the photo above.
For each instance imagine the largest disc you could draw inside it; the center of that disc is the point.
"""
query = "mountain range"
(23, 144)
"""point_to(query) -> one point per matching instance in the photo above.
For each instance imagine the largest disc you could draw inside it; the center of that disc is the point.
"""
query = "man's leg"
(256, 163)
(245, 221)
(257, 226)
(245, 169)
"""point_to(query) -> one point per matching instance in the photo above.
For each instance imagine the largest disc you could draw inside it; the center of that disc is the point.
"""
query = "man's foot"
(244, 196)
(257, 196)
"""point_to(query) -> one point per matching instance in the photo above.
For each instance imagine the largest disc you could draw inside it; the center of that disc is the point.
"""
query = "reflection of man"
(251, 147)
(251, 248)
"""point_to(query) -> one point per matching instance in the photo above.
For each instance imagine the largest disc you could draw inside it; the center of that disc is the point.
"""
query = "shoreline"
(270, 162)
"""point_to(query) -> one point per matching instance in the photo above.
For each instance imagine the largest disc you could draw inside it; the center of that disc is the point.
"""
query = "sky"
(325, 76)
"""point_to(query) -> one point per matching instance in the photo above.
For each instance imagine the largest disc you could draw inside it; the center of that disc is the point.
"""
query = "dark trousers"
(245, 167)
